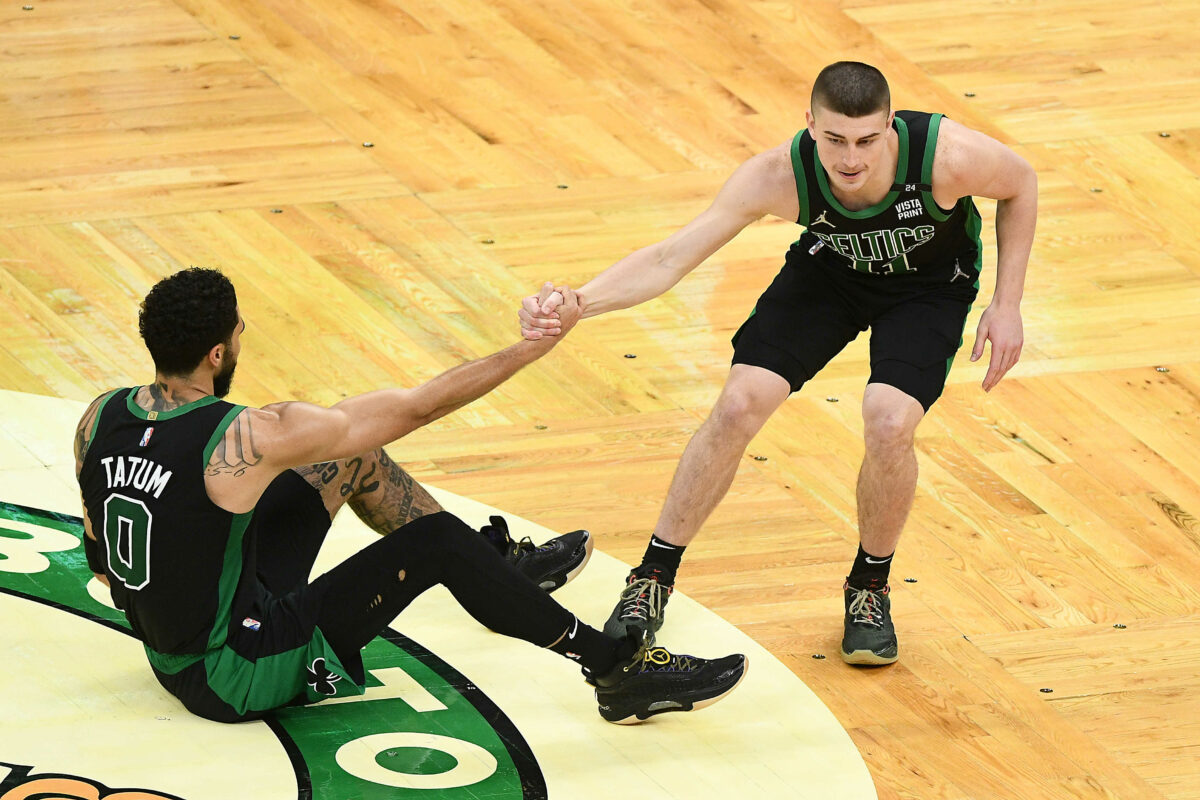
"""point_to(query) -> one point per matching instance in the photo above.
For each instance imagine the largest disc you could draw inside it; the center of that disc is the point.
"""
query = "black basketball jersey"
(173, 558)
(906, 233)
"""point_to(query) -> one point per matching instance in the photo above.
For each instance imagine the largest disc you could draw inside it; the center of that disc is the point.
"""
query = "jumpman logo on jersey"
(821, 219)
(958, 271)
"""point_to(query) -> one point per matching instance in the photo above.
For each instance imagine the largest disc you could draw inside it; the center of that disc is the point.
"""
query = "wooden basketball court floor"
(384, 179)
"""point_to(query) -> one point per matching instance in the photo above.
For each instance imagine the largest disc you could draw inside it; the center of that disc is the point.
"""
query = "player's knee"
(888, 425)
(740, 413)
(440, 524)
(432, 536)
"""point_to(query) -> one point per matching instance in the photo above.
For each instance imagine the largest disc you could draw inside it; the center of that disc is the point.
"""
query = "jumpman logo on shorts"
(821, 220)
(958, 271)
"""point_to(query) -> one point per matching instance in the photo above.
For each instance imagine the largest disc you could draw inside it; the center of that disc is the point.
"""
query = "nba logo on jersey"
(146, 436)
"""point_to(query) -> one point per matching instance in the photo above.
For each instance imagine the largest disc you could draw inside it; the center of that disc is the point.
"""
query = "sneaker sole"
(638, 718)
(551, 585)
(869, 658)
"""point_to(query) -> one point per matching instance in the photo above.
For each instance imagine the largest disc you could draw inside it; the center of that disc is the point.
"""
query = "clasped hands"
(552, 311)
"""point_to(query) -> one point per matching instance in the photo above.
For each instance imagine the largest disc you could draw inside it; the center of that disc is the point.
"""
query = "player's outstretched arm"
(296, 434)
(761, 185)
(260, 443)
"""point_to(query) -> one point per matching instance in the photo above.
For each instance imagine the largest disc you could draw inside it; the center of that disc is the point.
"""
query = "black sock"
(870, 572)
(593, 650)
(665, 556)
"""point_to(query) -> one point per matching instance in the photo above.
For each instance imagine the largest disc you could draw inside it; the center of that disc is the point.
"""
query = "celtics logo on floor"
(421, 725)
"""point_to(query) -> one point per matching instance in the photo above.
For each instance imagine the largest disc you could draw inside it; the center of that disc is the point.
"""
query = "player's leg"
(386, 497)
(887, 479)
(710, 460)
(703, 476)
(353, 602)
(289, 525)
(799, 323)
(912, 346)
(378, 490)
(887, 482)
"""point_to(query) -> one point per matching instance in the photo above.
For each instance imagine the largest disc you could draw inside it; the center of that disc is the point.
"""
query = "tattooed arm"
(263, 442)
(235, 452)
(237, 474)
(304, 434)
(83, 431)
(83, 439)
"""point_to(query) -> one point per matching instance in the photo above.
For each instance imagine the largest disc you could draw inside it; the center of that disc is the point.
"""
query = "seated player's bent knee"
(436, 533)
(430, 524)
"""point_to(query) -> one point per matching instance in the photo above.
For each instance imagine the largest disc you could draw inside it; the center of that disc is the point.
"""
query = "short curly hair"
(851, 88)
(184, 316)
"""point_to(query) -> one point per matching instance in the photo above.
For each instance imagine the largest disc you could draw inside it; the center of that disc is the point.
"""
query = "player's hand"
(568, 308)
(538, 313)
(1002, 326)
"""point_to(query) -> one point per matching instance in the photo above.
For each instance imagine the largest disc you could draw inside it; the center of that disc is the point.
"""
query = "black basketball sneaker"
(869, 636)
(641, 606)
(655, 681)
(551, 565)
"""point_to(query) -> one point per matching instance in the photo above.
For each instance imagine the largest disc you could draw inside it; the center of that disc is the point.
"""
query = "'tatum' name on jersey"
(140, 473)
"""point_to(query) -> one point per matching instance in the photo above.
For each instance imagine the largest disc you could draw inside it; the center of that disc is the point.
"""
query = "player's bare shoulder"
(244, 443)
(951, 162)
(969, 162)
(771, 180)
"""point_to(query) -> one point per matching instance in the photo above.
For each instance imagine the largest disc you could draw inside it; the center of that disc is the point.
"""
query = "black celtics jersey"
(173, 558)
(906, 233)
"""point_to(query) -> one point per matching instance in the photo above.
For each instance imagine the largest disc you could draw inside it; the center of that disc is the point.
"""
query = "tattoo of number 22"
(400, 501)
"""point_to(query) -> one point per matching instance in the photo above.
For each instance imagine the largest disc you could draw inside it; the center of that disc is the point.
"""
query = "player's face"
(852, 149)
(223, 380)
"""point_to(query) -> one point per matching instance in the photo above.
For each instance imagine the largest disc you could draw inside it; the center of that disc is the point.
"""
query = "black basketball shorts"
(289, 641)
(293, 642)
(812, 310)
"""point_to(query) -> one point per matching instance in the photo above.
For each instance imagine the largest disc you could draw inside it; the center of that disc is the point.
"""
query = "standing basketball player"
(205, 518)
(892, 244)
